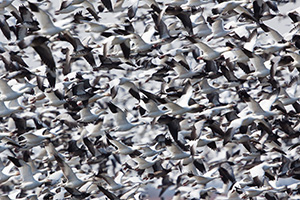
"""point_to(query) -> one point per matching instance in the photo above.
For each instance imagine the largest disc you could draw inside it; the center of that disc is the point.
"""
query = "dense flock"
(145, 99)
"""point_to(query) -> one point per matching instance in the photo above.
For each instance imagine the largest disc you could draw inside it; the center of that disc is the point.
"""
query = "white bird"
(200, 179)
(87, 116)
(176, 152)
(202, 29)
(4, 177)
(208, 53)
(195, 3)
(148, 151)
(226, 6)
(7, 93)
(206, 88)
(152, 108)
(32, 139)
(140, 45)
(55, 98)
(120, 117)
(177, 2)
(122, 148)
(47, 26)
(256, 108)
(4, 111)
(182, 105)
(113, 185)
(67, 7)
(72, 180)
(99, 28)
(182, 71)
(218, 30)
(211, 112)
(243, 122)
(97, 129)
(261, 70)
(143, 163)
(28, 181)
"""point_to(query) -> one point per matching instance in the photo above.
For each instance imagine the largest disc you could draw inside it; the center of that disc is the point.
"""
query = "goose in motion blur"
(7, 93)
(208, 53)
(121, 121)
(47, 26)
(5, 111)
(28, 181)
(122, 148)
(72, 180)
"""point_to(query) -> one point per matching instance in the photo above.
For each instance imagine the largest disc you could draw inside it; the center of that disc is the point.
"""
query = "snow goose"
(142, 162)
(177, 3)
(67, 119)
(7, 93)
(31, 139)
(202, 29)
(152, 108)
(161, 26)
(176, 152)
(114, 39)
(113, 185)
(182, 105)
(47, 26)
(79, 50)
(200, 179)
(97, 129)
(275, 36)
(4, 111)
(148, 151)
(176, 109)
(131, 86)
(99, 28)
(218, 30)
(140, 45)
(184, 72)
(72, 180)
(67, 7)
(86, 116)
(270, 49)
(27, 21)
(122, 148)
(28, 181)
(244, 121)
(261, 70)
(120, 117)
(195, 3)
(255, 107)
(206, 88)
(4, 177)
(55, 98)
(5, 27)
(209, 53)
(211, 112)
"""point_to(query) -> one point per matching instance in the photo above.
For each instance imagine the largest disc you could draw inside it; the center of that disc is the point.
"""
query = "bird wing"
(205, 48)
(42, 17)
(5, 88)
(66, 169)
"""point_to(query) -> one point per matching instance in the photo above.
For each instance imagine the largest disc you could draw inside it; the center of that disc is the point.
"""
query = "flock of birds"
(185, 99)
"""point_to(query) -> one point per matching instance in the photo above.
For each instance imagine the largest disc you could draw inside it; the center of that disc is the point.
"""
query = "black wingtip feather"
(15, 161)
(112, 107)
(33, 7)
(135, 94)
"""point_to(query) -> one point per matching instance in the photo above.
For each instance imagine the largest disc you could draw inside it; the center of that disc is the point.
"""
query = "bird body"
(210, 53)
(7, 93)
(28, 181)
